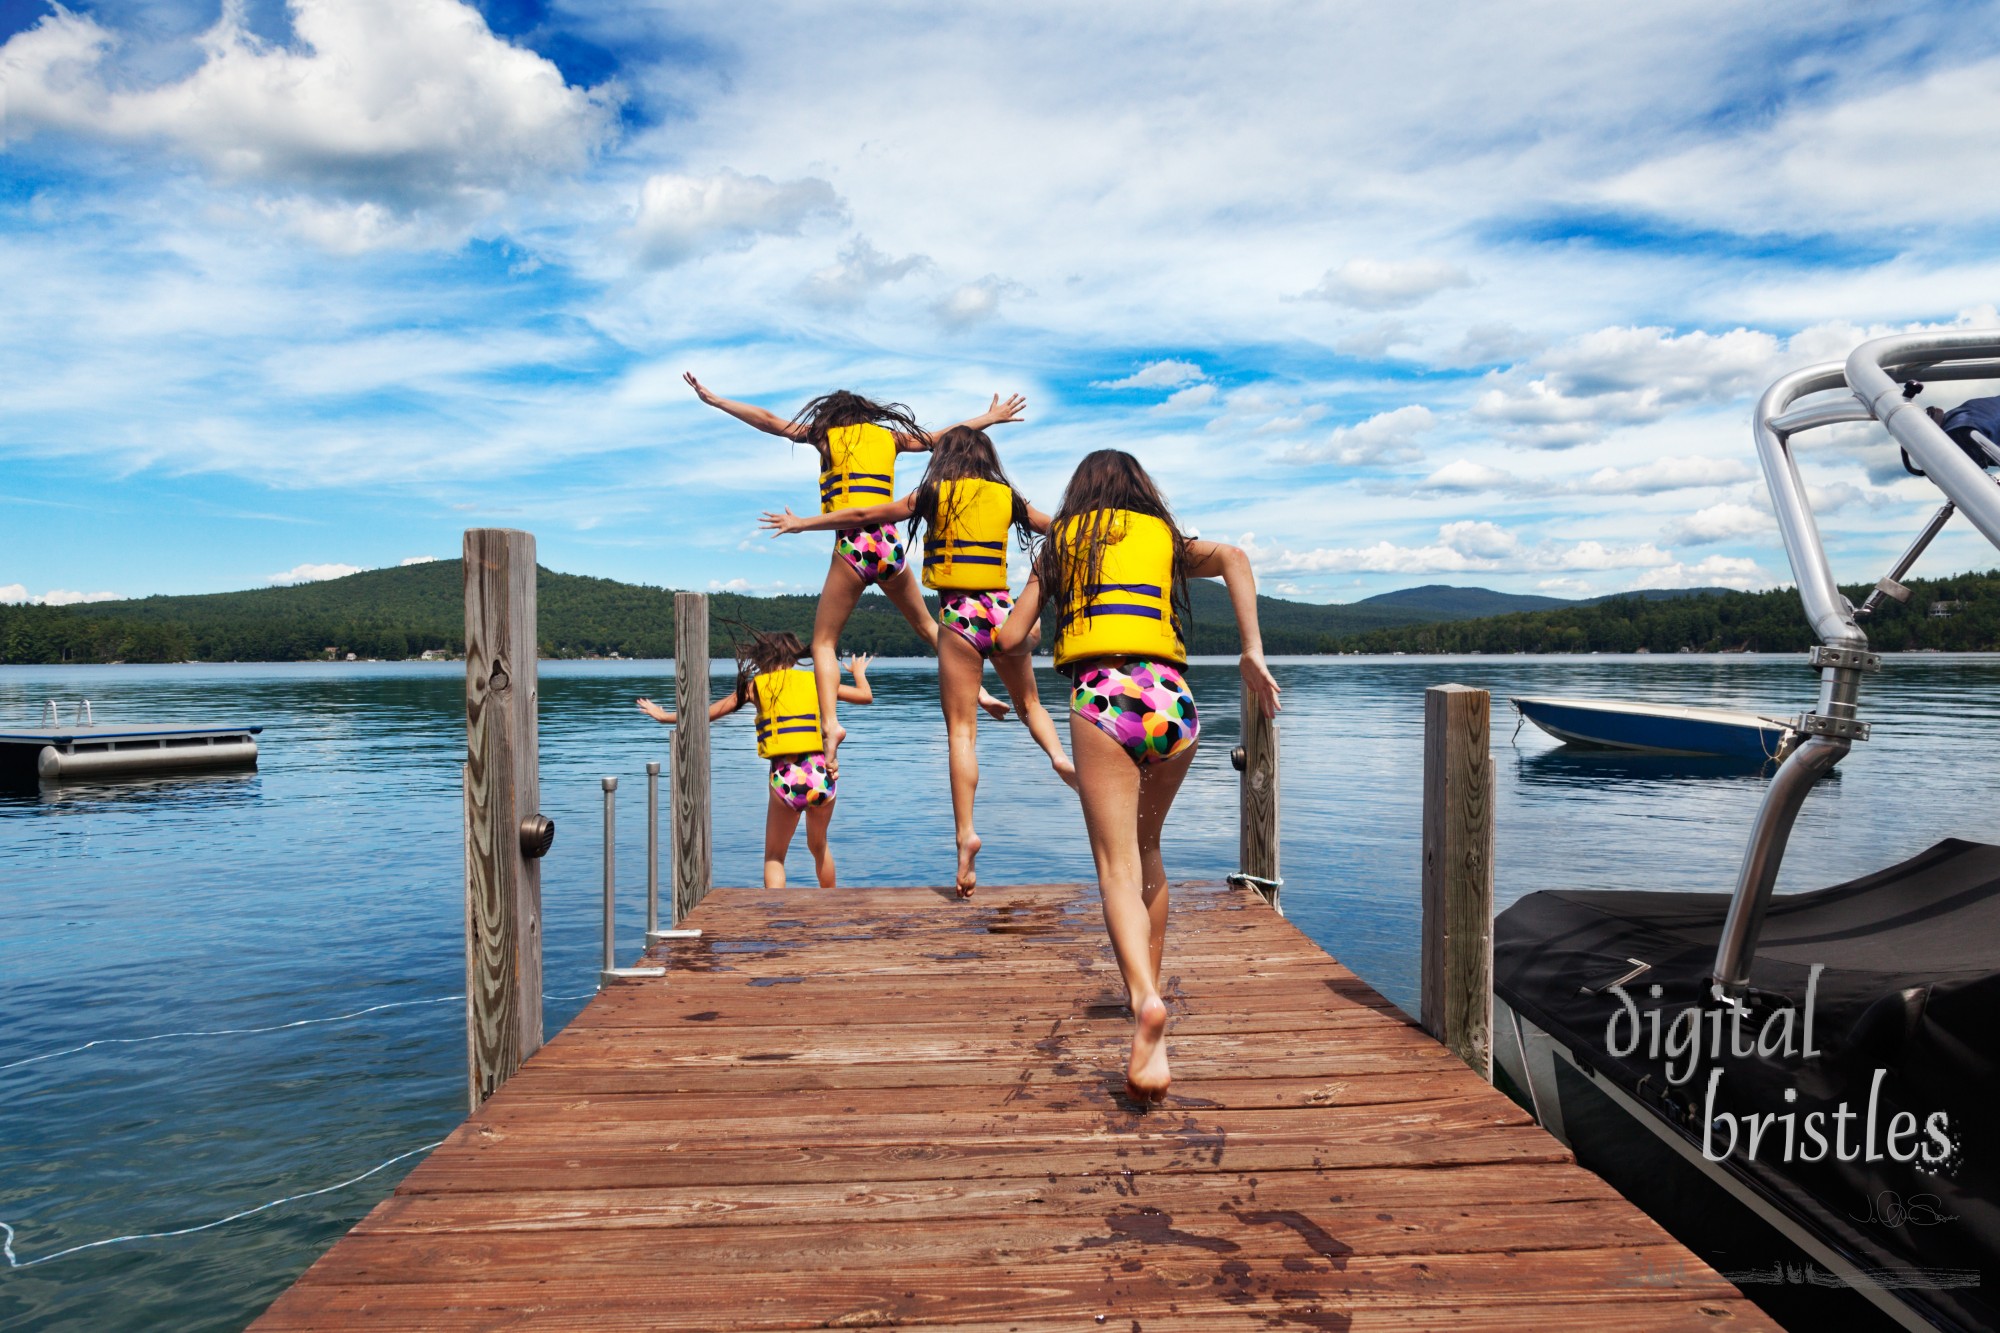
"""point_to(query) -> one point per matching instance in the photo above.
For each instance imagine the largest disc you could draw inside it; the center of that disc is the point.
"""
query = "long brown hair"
(763, 652)
(1105, 480)
(964, 453)
(830, 411)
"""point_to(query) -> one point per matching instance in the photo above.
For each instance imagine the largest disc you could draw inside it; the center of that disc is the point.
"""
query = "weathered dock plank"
(885, 1108)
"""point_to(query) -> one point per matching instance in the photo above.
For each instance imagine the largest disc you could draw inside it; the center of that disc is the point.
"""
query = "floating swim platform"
(1610, 724)
(87, 750)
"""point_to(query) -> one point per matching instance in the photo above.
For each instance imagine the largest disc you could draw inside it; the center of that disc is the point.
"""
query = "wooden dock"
(883, 1108)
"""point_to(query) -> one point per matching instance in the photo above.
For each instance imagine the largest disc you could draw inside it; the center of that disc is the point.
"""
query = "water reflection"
(1574, 766)
(211, 789)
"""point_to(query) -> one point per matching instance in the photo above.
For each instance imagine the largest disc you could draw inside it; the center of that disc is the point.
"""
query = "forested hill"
(1957, 614)
(403, 612)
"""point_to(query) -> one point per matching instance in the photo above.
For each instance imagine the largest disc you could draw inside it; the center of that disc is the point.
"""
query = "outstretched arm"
(722, 707)
(1039, 521)
(748, 413)
(840, 520)
(860, 692)
(1023, 620)
(995, 413)
(1208, 560)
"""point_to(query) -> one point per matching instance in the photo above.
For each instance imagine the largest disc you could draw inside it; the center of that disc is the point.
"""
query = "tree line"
(402, 613)
(1956, 614)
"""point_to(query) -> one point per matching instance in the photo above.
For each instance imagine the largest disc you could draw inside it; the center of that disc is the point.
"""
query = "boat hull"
(1661, 730)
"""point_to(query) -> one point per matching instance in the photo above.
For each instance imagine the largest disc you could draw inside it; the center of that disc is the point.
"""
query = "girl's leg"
(780, 821)
(1108, 782)
(908, 597)
(1017, 673)
(1158, 785)
(836, 603)
(817, 818)
(959, 669)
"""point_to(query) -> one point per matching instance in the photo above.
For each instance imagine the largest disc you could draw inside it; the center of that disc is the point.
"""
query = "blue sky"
(1389, 294)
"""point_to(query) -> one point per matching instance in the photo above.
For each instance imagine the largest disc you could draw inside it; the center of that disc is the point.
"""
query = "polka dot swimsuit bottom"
(1144, 706)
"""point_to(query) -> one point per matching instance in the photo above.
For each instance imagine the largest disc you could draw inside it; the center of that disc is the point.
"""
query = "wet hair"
(830, 411)
(763, 652)
(1105, 480)
(964, 453)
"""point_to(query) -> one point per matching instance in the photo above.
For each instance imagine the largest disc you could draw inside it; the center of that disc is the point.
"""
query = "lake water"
(329, 881)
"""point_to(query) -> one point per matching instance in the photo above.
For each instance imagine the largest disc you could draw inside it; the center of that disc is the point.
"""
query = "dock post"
(1257, 807)
(611, 971)
(693, 867)
(1458, 874)
(505, 832)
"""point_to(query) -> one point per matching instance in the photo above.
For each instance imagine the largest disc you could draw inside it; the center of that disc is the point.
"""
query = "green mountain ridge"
(406, 611)
(1958, 613)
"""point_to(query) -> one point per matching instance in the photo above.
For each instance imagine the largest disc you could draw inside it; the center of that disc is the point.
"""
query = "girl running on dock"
(785, 698)
(858, 442)
(966, 507)
(1113, 574)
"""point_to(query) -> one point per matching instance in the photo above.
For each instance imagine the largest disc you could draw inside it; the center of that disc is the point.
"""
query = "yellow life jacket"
(1129, 611)
(966, 548)
(863, 470)
(787, 713)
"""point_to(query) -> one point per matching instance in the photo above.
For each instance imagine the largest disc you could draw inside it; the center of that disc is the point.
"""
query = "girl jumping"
(786, 701)
(858, 442)
(1113, 574)
(967, 507)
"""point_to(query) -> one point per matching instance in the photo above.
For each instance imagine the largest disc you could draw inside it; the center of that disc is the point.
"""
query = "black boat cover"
(1905, 1031)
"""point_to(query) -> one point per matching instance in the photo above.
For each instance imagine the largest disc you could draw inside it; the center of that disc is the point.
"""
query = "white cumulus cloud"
(1155, 375)
(17, 593)
(975, 302)
(860, 270)
(1466, 546)
(1374, 284)
(1464, 475)
(312, 573)
(405, 104)
(417, 560)
(1723, 522)
(681, 217)
(1386, 437)
(1666, 474)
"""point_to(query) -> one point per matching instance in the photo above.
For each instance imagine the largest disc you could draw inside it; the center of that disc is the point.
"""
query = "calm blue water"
(330, 880)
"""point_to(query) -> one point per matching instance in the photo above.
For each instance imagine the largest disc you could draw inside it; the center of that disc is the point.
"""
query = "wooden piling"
(1257, 809)
(503, 883)
(1458, 874)
(693, 864)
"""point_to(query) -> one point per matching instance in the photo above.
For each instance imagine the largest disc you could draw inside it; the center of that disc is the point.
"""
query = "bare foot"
(1146, 1076)
(835, 734)
(1065, 769)
(968, 876)
(995, 708)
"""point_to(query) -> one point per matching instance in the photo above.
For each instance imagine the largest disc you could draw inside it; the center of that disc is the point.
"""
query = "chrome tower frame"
(1874, 373)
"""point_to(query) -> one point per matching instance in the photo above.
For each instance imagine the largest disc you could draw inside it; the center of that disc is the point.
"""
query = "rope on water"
(14, 1261)
(238, 1032)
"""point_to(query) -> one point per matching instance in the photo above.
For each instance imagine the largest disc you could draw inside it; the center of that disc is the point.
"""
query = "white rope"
(13, 1261)
(238, 1032)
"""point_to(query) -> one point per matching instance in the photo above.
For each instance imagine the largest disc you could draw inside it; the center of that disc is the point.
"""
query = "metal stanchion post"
(652, 850)
(653, 932)
(611, 970)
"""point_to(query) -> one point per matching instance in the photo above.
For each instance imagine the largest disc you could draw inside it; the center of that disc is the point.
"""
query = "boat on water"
(86, 749)
(1802, 1089)
(1611, 724)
